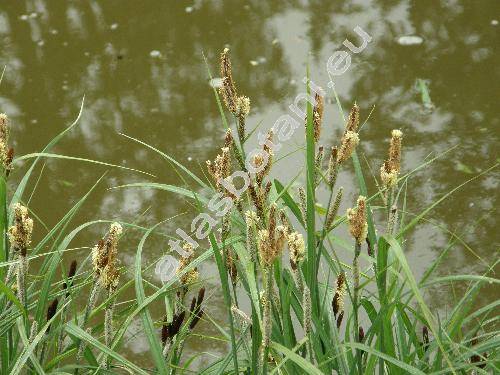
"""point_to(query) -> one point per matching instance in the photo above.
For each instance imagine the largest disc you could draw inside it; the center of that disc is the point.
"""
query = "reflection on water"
(142, 72)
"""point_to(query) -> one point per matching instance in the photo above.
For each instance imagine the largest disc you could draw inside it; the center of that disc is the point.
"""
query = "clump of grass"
(356, 319)
(364, 317)
(44, 326)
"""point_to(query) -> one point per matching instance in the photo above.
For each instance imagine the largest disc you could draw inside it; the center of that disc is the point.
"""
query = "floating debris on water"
(66, 183)
(215, 82)
(258, 61)
(410, 40)
(155, 53)
(422, 87)
(461, 167)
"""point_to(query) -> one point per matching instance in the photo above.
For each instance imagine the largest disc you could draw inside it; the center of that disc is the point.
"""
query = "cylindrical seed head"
(358, 226)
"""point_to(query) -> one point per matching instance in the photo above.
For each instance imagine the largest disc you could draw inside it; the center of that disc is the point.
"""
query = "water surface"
(140, 67)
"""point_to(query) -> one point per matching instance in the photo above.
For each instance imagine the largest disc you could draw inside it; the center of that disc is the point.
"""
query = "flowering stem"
(90, 306)
(108, 325)
(355, 266)
(266, 320)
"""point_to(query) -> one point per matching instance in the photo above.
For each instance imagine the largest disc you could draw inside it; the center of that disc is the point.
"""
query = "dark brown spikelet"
(474, 358)
(177, 322)
(196, 319)
(51, 311)
(425, 336)
(165, 334)
(201, 296)
(339, 319)
(196, 310)
(335, 304)
(361, 334)
(338, 298)
(169, 330)
(71, 274)
(318, 116)
(370, 247)
(477, 358)
(228, 89)
(8, 160)
(353, 120)
(193, 304)
(72, 269)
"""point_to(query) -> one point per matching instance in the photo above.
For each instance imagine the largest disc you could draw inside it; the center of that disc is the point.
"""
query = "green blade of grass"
(408, 369)
(288, 200)
(170, 159)
(164, 187)
(55, 259)
(410, 279)
(76, 331)
(307, 366)
(46, 155)
(11, 297)
(147, 321)
(28, 351)
(24, 339)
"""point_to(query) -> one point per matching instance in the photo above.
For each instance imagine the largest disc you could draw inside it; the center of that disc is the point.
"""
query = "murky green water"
(140, 67)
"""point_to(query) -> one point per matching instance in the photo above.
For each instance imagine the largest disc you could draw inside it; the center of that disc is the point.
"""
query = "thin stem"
(90, 306)
(355, 266)
(267, 319)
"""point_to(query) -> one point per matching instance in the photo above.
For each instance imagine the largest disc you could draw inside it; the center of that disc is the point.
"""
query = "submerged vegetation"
(293, 304)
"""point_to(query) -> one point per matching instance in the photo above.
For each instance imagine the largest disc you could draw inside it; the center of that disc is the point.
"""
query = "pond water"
(431, 70)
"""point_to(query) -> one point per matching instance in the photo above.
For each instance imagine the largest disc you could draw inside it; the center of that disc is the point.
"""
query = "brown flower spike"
(20, 232)
(389, 171)
(297, 249)
(192, 275)
(318, 116)
(6, 152)
(353, 120)
(357, 221)
(104, 258)
(228, 89)
(338, 298)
